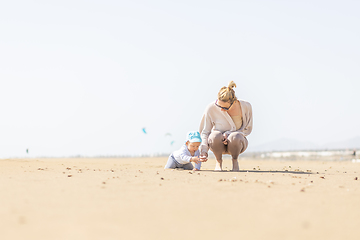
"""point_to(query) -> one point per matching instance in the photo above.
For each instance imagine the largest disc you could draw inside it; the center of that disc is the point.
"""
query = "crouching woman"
(224, 127)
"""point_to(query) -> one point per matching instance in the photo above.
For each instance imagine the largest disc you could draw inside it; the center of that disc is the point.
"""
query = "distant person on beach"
(188, 153)
(224, 127)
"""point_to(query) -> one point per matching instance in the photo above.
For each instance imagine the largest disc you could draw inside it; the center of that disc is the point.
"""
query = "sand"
(135, 198)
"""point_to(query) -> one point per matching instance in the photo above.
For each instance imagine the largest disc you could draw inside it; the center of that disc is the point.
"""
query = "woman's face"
(224, 106)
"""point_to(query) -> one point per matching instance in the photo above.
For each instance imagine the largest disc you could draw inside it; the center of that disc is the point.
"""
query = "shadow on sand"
(260, 171)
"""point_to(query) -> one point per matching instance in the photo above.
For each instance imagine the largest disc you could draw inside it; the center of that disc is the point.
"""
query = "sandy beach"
(135, 198)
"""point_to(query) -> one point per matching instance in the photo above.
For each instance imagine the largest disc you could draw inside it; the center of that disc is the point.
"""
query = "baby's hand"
(195, 159)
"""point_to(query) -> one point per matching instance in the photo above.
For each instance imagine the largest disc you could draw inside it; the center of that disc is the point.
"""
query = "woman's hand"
(225, 138)
(203, 157)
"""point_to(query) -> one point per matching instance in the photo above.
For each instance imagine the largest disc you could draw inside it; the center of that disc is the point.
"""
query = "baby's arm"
(180, 157)
(197, 166)
(195, 159)
(183, 156)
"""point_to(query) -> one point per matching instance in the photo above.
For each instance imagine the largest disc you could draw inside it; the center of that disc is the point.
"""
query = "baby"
(188, 153)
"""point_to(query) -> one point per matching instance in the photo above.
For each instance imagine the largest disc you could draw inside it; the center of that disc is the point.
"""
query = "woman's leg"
(237, 144)
(217, 147)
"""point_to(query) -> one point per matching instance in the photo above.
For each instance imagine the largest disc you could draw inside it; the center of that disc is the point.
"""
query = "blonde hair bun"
(227, 94)
(231, 85)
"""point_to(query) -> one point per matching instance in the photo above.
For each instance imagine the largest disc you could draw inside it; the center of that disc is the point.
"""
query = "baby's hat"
(193, 137)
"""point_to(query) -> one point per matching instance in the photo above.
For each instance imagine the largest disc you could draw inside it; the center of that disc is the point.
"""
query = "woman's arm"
(205, 129)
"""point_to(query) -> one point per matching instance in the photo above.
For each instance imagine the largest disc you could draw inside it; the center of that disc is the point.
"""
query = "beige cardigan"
(215, 119)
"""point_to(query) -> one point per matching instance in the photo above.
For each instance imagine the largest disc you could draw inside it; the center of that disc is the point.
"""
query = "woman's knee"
(215, 137)
(216, 144)
(237, 143)
(236, 138)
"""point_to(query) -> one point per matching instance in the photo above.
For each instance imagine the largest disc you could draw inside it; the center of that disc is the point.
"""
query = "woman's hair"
(227, 94)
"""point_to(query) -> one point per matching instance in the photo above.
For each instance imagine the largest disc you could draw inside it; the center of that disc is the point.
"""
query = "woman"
(224, 127)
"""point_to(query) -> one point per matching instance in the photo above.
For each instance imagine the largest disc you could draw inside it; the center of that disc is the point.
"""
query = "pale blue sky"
(84, 77)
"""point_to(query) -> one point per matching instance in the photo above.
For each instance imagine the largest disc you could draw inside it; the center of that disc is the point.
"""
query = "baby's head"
(193, 141)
